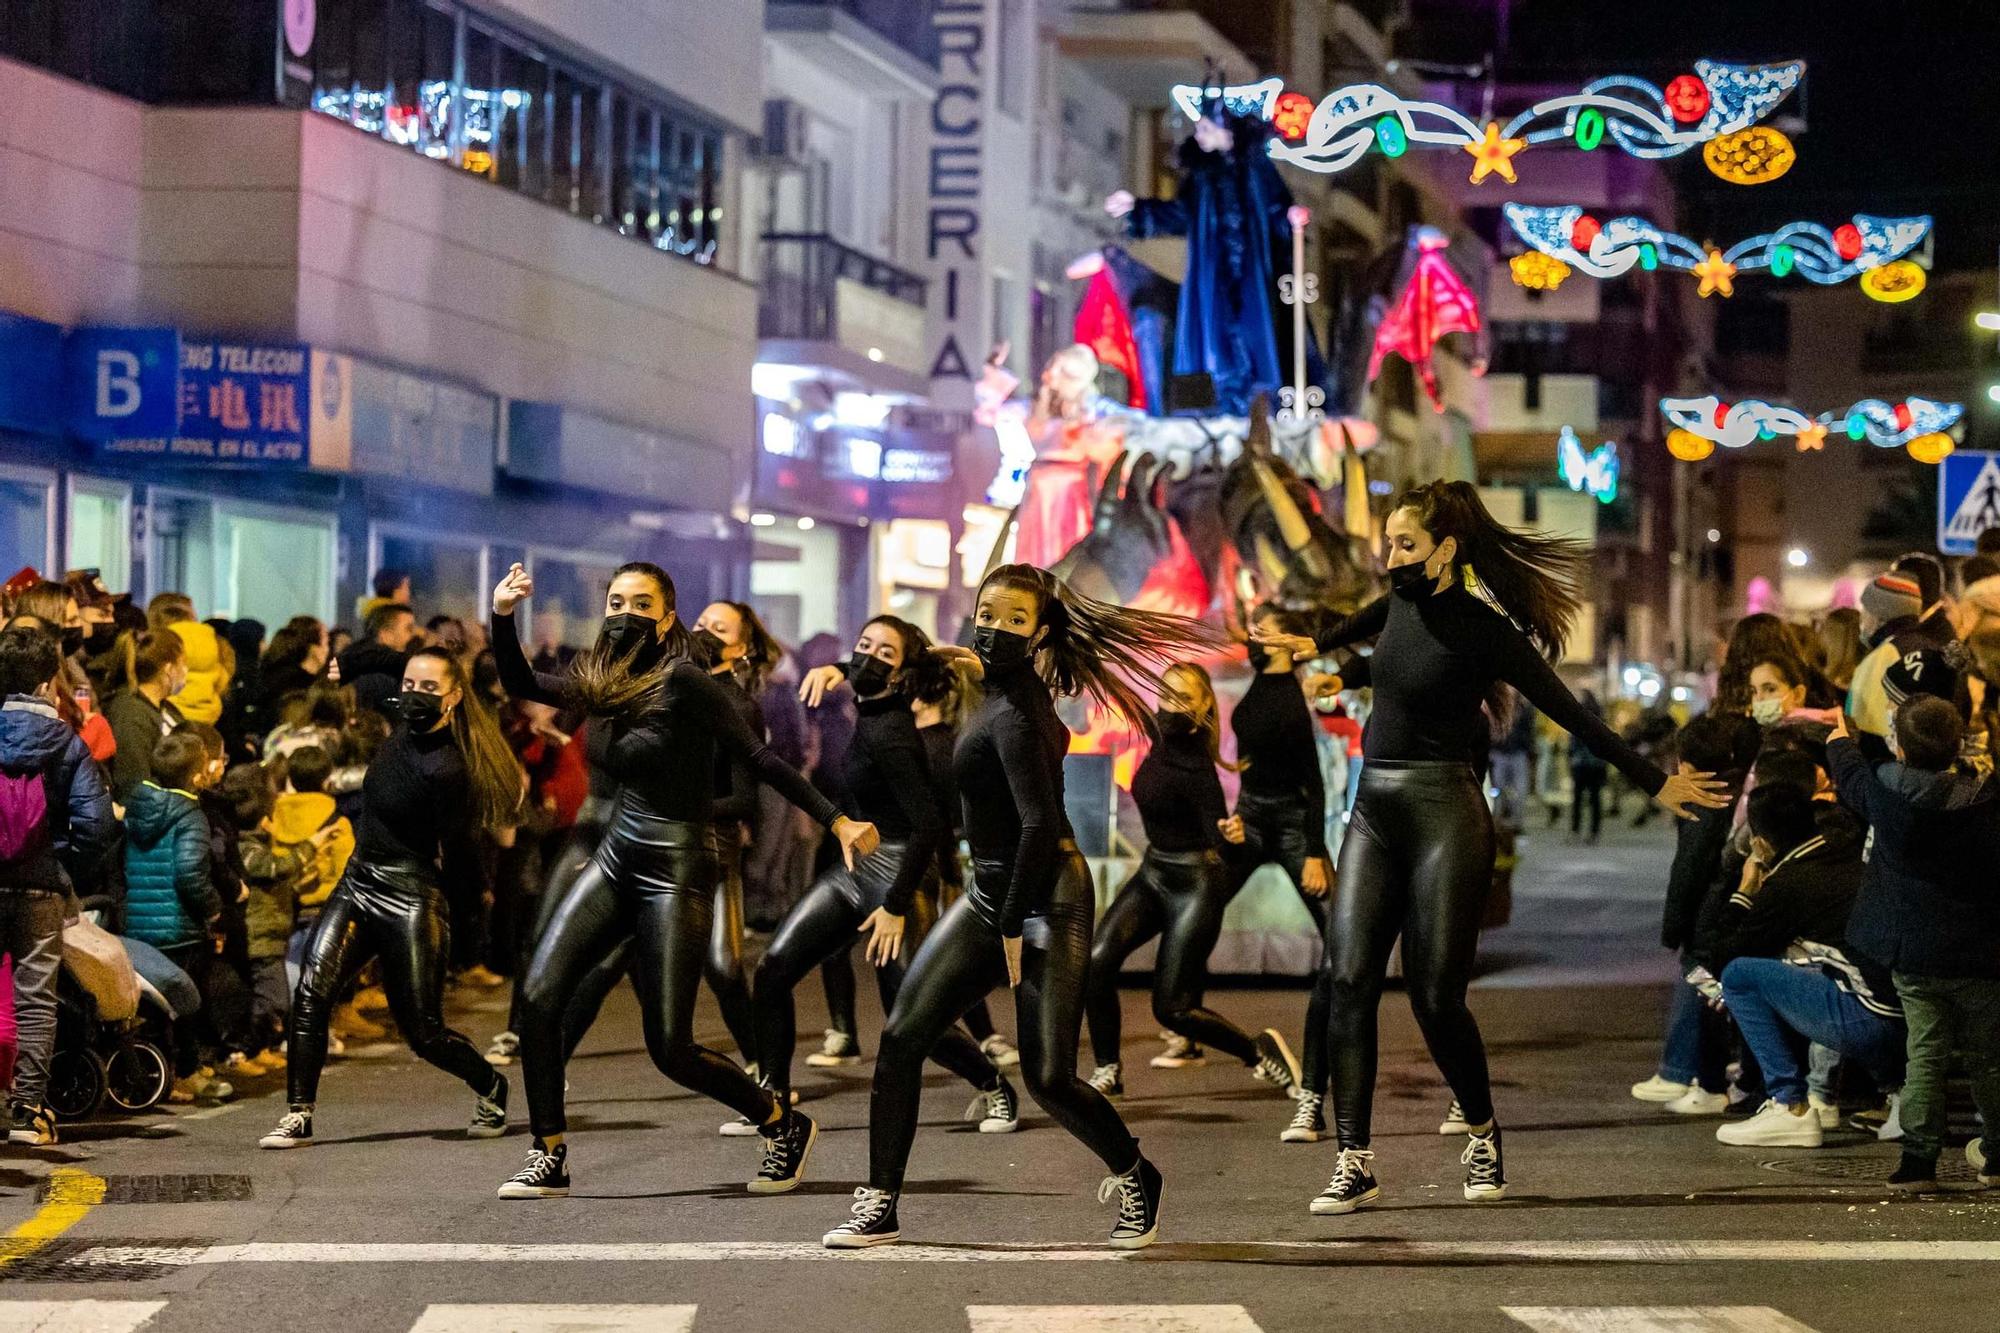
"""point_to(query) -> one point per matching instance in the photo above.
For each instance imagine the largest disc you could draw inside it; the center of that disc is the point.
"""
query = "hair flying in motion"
(611, 682)
(1534, 577)
(498, 783)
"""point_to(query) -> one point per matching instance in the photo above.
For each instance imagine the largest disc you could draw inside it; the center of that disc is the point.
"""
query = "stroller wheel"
(137, 1076)
(76, 1084)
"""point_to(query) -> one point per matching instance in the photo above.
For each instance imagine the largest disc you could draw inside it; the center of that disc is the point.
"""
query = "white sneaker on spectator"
(1697, 1100)
(1828, 1112)
(1657, 1089)
(1774, 1126)
(1891, 1129)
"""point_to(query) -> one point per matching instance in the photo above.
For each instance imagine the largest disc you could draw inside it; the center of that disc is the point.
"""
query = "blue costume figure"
(1231, 207)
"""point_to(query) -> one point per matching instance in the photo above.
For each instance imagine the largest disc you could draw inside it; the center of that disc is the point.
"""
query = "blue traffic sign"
(1968, 500)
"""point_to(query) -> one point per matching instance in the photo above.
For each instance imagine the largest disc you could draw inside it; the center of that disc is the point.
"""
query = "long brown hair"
(1102, 650)
(498, 782)
(142, 655)
(1209, 720)
(1759, 637)
(607, 682)
(761, 650)
(923, 676)
(1533, 576)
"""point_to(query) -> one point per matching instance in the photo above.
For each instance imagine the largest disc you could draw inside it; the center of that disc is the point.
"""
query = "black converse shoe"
(295, 1130)
(1485, 1180)
(871, 1222)
(1353, 1184)
(1276, 1065)
(489, 1114)
(1914, 1175)
(838, 1049)
(32, 1125)
(785, 1151)
(546, 1175)
(1138, 1192)
(1108, 1080)
(997, 1111)
(1180, 1053)
(1454, 1120)
(1308, 1121)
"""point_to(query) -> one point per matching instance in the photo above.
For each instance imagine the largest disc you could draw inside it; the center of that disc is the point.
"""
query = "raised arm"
(517, 677)
(1517, 663)
(738, 740)
(1363, 624)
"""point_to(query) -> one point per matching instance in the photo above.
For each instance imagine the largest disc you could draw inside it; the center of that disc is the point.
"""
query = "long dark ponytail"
(609, 683)
(924, 675)
(761, 650)
(1535, 578)
(497, 780)
(1102, 650)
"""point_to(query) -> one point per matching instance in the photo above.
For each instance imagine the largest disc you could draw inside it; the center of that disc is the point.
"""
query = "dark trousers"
(1276, 832)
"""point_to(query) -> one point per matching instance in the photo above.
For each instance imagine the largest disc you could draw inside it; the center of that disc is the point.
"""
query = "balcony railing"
(908, 26)
(799, 297)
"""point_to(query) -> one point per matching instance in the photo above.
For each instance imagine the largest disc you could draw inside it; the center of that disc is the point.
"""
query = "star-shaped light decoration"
(1812, 437)
(1717, 275)
(1494, 153)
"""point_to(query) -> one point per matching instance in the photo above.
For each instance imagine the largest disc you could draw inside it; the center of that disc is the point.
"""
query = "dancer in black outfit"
(1178, 893)
(1027, 916)
(891, 895)
(1283, 808)
(657, 721)
(445, 772)
(1474, 606)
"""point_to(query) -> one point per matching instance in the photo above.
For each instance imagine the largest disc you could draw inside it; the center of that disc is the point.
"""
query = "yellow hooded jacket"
(208, 672)
(307, 819)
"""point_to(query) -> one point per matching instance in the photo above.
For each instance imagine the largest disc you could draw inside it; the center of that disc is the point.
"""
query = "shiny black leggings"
(652, 884)
(1274, 833)
(724, 968)
(958, 966)
(1178, 896)
(397, 915)
(821, 925)
(1418, 860)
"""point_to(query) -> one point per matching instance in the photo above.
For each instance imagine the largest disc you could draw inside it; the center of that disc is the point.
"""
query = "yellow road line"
(71, 1194)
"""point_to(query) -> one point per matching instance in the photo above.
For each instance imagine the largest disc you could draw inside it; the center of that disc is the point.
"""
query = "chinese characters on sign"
(242, 402)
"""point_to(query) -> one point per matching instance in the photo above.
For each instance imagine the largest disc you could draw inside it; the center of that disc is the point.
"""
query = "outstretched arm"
(741, 742)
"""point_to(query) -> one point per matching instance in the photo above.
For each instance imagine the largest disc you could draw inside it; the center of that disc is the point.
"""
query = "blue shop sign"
(190, 400)
(30, 375)
(122, 383)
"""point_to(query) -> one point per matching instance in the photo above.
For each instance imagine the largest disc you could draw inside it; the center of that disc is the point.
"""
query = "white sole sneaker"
(739, 1128)
(1485, 1193)
(1657, 1089)
(1338, 1208)
(1828, 1113)
(278, 1142)
(510, 1190)
(1290, 1135)
(761, 1186)
(1700, 1102)
(847, 1240)
(999, 1126)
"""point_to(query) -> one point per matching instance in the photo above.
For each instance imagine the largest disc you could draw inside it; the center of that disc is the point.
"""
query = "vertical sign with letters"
(953, 189)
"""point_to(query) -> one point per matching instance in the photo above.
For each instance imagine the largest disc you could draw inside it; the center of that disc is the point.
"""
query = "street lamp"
(1988, 320)
(1797, 558)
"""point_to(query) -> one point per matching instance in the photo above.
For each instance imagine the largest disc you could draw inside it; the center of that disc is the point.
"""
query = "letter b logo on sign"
(122, 383)
(118, 393)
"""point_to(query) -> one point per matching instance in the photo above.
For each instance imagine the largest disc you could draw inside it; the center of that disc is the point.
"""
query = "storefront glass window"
(447, 576)
(100, 531)
(272, 567)
(24, 521)
(568, 606)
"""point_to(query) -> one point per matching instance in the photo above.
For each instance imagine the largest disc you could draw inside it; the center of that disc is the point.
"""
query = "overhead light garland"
(1869, 247)
(1595, 473)
(1917, 424)
(1717, 106)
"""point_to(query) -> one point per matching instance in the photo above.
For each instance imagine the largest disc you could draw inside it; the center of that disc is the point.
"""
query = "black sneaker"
(489, 1114)
(1180, 1053)
(1138, 1192)
(1454, 1121)
(785, 1153)
(295, 1130)
(1276, 1065)
(838, 1049)
(1353, 1184)
(1914, 1175)
(871, 1222)
(545, 1176)
(1485, 1178)
(32, 1125)
(1108, 1079)
(1308, 1121)
(997, 1111)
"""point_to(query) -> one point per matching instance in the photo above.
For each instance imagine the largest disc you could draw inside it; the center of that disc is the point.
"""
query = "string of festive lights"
(1863, 248)
(1595, 473)
(1716, 108)
(1919, 425)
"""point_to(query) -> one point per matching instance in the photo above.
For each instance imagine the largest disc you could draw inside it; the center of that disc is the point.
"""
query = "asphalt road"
(1620, 1217)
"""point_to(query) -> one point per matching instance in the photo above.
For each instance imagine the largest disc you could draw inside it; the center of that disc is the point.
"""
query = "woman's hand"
(856, 838)
(885, 944)
(1010, 945)
(815, 683)
(1690, 788)
(511, 591)
(963, 660)
(1840, 731)
(1232, 830)
(1320, 684)
(1318, 876)
(1298, 645)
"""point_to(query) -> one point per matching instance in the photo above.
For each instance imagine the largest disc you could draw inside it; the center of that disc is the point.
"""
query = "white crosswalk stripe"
(555, 1319)
(1110, 1319)
(1654, 1319)
(76, 1316)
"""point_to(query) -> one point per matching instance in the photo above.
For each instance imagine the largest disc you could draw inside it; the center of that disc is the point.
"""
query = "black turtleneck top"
(1179, 796)
(416, 803)
(1277, 744)
(1008, 766)
(889, 785)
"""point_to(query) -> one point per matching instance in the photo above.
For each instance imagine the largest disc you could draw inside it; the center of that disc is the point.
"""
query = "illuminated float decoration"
(1434, 302)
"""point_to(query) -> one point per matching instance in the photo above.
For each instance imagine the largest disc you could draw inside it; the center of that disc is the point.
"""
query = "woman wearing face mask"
(890, 896)
(742, 654)
(152, 668)
(445, 773)
(1474, 605)
(1778, 692)
(1283, 808)
(1027, 916)
(657, 723)
(1178, 893)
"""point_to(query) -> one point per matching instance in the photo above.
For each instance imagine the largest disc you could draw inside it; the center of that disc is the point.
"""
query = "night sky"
(1901, 99)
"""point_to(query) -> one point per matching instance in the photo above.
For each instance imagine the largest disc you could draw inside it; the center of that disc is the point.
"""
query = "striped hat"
(1891, 597)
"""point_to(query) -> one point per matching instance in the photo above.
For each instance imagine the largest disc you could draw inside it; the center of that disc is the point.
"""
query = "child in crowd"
(1927, 911)
(304, 818)
(274, 873)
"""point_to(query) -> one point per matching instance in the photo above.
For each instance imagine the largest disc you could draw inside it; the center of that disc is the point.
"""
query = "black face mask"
(72, 639)
(421, 711)
(1410, 580)
(710, 646)
(1000, 649)
(100, 638)
(626, 632)
(1260, 656)
(868, 674)
(1174, 724)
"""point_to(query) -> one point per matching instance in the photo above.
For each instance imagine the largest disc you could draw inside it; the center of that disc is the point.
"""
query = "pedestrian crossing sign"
(1968, 500)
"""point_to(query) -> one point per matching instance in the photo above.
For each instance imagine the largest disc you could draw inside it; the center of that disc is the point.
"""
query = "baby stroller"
(125, 1059)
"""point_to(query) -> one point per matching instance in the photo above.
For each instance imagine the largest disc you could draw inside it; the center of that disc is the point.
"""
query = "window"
(520, 133)
(100, 528)
(448, 573)
(1011, 32)
(27, 513)
(479, 140)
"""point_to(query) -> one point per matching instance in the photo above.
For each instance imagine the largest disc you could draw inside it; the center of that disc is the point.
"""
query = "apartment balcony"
(1518, 403)
(836, 313)
(882, 45)
(1141, 49)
